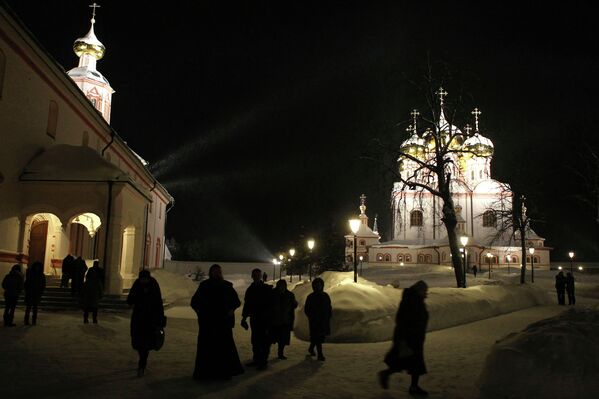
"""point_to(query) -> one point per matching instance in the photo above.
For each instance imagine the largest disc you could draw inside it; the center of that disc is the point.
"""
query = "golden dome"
(89, 44)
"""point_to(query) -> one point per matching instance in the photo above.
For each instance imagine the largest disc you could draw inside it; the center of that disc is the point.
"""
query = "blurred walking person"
(407, 352)
(215, 302)
(570, 289)
(13, 285)
(67, 271)
(319, 311)
(90, 295)
(283, 316)
(147, 317)
(35, 284)
(257, 305)
(560, 287)
(78, 275)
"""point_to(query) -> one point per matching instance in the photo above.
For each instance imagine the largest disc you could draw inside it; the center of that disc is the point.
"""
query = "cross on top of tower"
(94, 6)
(476, 114)
(362, 199)
(415, 114)
(441, 93)
(468, 129)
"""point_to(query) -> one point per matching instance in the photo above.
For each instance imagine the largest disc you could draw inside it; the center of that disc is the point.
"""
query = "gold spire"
(89, 44)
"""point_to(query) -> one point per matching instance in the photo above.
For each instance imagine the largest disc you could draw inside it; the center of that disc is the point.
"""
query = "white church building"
(418, 234)
(68, 182)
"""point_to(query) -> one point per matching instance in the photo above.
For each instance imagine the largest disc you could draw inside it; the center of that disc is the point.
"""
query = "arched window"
(514, 259)
(428, 258)
(2, 71)
(362, 242)
(420, 258)
(537, 259)
(157, 259)
(416, 218)
(399, 257)
(489, 219)
(528, 259)
(408, 257)
(387, 257)
(52, 119)
(379, 257)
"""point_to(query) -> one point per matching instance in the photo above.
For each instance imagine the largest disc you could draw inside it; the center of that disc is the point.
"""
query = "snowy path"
(98, 362)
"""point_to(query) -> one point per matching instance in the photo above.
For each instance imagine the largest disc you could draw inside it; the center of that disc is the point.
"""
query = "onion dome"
(479, 145)
(414, 145)
(89, 44)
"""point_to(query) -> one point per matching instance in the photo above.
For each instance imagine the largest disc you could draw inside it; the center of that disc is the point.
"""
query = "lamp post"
(274, 268)
(310, 247)
(361, 259)
(489, 255)
(531, 250)
(291, 253)
(508, 258)
(281, 257)
(354, 225)
(464, 241)
(571, 255)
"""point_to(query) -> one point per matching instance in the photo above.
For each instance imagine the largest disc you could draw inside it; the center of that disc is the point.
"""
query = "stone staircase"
(58, 299)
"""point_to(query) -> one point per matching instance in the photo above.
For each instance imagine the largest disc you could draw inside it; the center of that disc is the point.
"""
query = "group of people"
(565, 285)
(34, 284)
(87, 285)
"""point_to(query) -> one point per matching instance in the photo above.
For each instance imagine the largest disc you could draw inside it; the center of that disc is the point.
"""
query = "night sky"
(255, 114)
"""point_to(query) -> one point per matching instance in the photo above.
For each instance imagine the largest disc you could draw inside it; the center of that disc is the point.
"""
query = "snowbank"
(176, 289)
(553, 358)
(365, 312)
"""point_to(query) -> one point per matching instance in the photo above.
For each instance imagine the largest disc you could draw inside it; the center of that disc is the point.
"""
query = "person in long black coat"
(147, 317)
(407, 352)
(283, 316)
(257, 305)
(570, 289)
(35, 284)
(319, 311)
(560, 288)
(215, 302)
(67, 270)
(78, 276)
(91, 294)
(13, 285)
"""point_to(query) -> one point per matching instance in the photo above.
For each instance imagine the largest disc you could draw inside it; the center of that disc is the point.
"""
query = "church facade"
(68, 182)
(418, 234)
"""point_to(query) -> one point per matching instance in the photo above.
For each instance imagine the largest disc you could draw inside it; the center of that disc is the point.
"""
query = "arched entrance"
(37, 241)
(43, 237)
(82, 235)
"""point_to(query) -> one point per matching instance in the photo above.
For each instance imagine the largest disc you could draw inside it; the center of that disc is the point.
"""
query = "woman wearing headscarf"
(319, 311)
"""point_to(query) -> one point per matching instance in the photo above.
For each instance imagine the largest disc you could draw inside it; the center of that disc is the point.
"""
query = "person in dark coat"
(67, 270)
(474, 270)
(560, 287)
(90, 295)
(99, 271)
(13, 285)
(215, 302)
(78, 276)
(35, 284)
(257, 305)
(407, 352)
(283, 316)
(147, 317)
(570, 289)
(319, 311)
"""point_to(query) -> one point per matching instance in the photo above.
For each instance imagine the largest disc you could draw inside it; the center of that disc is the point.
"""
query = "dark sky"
(254, 114)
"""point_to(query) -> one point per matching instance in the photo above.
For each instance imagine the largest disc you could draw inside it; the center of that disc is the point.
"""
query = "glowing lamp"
(361, 258)
(281, 257)
(571, 254)
(291, 252)
(559, 268)
(354, 225)
(464, 240)
(531, 250)
(580, 268)
(310, 245)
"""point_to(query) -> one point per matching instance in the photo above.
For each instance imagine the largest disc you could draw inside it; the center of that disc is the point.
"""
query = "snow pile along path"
(553, 358)
(176, 289)
(365, 312)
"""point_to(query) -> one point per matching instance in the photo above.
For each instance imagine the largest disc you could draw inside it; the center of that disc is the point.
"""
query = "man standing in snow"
(474, 270)
(560, 287)
(570, 289)
(258, 307)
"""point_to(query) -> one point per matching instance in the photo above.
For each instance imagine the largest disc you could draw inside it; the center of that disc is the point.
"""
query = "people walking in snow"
(560, 287)
(35, 284)
(407, 352)
(283, 316)
(570, 289)
(319, 311)
(91, 294)
(67, 270)
(257, 305)
(13, 285)
(147, 318)
(78, 275)
(474, 270)
(215, 302)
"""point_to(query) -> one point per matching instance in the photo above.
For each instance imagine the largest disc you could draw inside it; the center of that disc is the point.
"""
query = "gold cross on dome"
(441, 93)
(476, 114)
(415, 114)
(94, 6)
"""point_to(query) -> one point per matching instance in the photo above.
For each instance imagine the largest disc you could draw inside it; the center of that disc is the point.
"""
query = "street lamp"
(354, 225)
(274, 268)
(508, 258)
(464, 241)
(310, 247)
(571, 255)
(531, 250)
(291, 253)
(361, 259)
(281, 257)
(489, 255)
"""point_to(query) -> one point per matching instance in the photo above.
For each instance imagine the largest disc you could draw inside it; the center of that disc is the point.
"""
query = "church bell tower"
(91, 82)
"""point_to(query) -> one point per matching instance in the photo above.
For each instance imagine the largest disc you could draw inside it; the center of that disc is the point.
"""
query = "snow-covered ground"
(63, 358)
